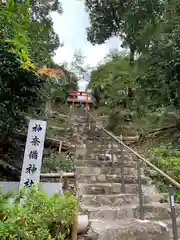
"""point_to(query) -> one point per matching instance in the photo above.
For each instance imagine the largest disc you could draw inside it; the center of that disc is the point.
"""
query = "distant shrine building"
(81, 99)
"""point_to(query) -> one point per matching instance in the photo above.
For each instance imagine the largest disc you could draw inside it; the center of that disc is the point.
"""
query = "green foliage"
(134, 22)
(111, 80)
(27, 38)
(34, 215)
(14, 22)
(150, 29)
(167, 158)
(43, 39)
(61, 86)
(153, 29)
(160, 75)
(112, 84)
(58, 162)
(56, 89)
(150, 120)
(28, 26)
(76, 65)
(19, 90)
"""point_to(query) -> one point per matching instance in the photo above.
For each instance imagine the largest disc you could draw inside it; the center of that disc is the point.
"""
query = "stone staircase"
(114, 213)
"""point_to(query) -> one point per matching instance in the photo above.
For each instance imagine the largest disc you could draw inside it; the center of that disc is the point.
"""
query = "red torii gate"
(75, 94)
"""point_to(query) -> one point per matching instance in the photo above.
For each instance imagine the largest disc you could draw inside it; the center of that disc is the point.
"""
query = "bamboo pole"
(171, 180)
(60, 146)
(56, 175)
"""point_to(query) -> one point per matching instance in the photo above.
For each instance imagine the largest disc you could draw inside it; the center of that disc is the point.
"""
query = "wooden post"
(173, 213)
(60, 146)
(140, 191)
(73, 101)
(66, 183)
(69, 117)
(74, 230)
(86, 102)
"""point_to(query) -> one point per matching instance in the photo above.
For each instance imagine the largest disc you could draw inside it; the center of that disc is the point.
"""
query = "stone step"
(108, 158)
(104, 149)
(116, 188)
(115, 200)
(104, 163)
(109, 144)
(153, 211)
(106, 170)
(100, 142)
(169, 226)
(106, 188)
(124, 156)
(108, 152)
(102, 178)
(108, 212)
(126, 230)
(119, 153)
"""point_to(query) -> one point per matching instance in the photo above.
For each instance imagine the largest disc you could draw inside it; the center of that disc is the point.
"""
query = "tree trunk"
(131, 62)
(48, 108)
(132, 52)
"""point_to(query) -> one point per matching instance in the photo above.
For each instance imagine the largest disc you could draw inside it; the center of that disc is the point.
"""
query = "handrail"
(171, 180)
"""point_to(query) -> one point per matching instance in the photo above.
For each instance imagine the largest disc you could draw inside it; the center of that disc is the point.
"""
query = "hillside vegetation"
(138, 89)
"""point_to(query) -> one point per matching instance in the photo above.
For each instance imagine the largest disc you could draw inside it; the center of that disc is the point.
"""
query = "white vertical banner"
(33, 153)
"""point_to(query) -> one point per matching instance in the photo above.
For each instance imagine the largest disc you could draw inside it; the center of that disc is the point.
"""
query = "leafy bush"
(58, 162)
(167, 159)
(19, 90)
(14, 22)
(34, 215)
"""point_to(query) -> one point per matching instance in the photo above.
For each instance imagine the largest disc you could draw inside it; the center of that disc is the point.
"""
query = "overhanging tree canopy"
(133, 22)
